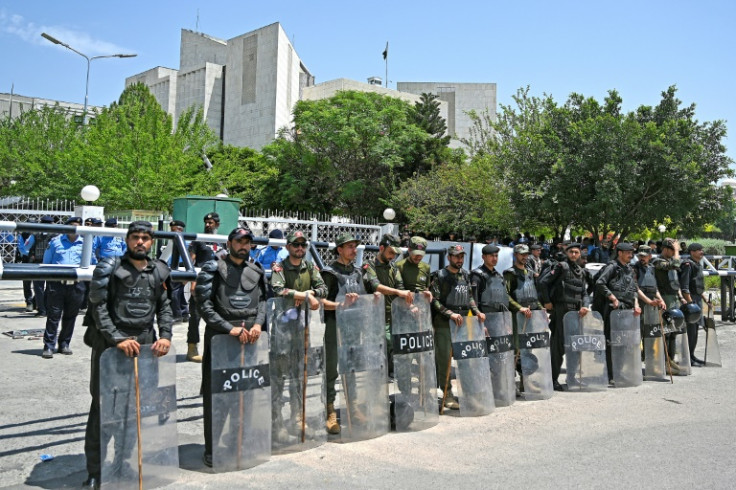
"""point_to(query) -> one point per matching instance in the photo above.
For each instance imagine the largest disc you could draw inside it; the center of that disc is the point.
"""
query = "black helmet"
(674, 318)
(693, 313)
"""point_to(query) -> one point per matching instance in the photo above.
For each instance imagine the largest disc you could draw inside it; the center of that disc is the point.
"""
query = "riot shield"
(712, 351)
(138, 419)
(297, 368)
(536, 367)
(241, 400)
(585, 352)
(414, 365)
(500, 347)
(475, 392)
(362, 365)
(682, 353)
(625, 353)
(653, 342)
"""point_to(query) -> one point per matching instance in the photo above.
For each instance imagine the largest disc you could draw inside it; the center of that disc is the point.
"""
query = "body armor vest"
(458, 297)
(134, 303)
(623, 285)
(238, 292)
(526, 292)
(573, 285)
(494, 298)
(348, 283)
(696, 278)
(647, 281)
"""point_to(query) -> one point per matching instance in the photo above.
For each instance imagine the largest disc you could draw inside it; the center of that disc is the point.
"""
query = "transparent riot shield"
(362, 366)
(241, 403)
(585, 352)
(500, 347)
(653, 343)
(415, 403)
(536, 367)
(138, 419)
(625, 353)
(475, 392)
(712, 351)
(297, 369)
(682, 352)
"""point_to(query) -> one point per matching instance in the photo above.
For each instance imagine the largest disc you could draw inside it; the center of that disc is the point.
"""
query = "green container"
(730, 249)
(192, 210)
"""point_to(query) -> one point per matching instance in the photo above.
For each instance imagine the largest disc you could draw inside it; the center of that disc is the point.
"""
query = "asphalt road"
(658, 435)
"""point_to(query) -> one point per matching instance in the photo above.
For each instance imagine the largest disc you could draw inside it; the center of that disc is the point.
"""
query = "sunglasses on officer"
(299, 244)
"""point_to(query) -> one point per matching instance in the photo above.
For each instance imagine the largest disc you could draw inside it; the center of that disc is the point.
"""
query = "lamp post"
(662, 229)
(89, 60)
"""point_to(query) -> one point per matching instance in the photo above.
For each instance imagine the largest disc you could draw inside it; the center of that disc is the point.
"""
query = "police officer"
(381, 275)
(201, 253)
(341, 277)
(179, 304)
(63, 298)
(231, 297)
(488, 284)
(109, 246)
(117, 284)
(298, 279)
(36, 245)
(415, 273)
(692, 285)
(616, 287)
(22, 255)
(566, 288)
(667, 274)
(452, 298)
(648, 292)
(535, 259)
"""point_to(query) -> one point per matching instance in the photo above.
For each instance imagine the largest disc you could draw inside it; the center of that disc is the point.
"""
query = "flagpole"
(385, 57)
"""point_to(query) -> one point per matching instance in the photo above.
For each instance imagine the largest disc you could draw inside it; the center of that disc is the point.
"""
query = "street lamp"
(89, 60)
(662, 229)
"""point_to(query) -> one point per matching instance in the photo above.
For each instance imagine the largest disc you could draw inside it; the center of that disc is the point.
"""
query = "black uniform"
(620, 280)
(692, 282)
(567, 287)
(227, 296)
(123, 304)
(203, 252)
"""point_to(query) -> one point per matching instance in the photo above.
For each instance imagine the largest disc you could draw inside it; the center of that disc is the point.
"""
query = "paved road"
(654, 436)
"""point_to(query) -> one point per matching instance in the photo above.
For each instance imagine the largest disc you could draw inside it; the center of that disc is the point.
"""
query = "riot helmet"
(674, 318)
(692, 313)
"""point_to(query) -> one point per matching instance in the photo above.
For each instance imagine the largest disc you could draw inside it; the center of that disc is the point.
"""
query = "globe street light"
(662, 229)
(89, 60)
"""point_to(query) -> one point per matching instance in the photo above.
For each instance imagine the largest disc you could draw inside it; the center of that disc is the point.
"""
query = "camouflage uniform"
(417, 277)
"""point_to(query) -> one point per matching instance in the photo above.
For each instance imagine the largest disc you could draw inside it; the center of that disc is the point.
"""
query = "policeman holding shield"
(126, 293)
(231, 297)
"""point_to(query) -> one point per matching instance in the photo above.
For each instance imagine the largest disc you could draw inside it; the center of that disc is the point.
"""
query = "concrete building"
(12, 105)
(460, 98)
(247, 85)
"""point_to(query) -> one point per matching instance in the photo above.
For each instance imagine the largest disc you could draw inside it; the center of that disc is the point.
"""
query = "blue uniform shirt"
(63, 251)
(268, 255)
(24, 246)
(109, 246)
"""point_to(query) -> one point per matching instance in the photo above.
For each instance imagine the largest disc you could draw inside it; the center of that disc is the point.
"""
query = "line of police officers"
(231, 295)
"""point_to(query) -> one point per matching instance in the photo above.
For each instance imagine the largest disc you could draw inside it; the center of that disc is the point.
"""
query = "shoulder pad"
(210, 266)
(276, 267)
(163, 269)
(256, 267)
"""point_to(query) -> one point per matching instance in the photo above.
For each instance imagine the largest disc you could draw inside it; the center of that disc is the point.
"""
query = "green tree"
(344, 154)
(592, 166)
(135, 157)
(434, 150)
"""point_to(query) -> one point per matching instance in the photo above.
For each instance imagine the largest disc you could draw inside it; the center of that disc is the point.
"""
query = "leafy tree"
(593, 166)
(469, 197)
(344, 154)
(434, 150)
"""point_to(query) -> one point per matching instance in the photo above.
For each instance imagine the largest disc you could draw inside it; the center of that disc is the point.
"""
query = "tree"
(135, 157)
(344, 154)
(434, 150)
(469, 197)
(591, 165)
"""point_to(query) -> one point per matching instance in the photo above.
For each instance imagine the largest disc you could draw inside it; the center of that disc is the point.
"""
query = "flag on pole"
(385, 51)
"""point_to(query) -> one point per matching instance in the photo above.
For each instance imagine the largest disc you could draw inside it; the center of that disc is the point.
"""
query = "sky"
(638, 48)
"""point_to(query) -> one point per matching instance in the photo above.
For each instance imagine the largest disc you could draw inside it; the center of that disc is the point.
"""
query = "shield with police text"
(475, 392)
(712, 351)
(536, 367)
(241, 403)
(585, 352)
(653, 344)
(297, 375)
(414, 364)
(624, 344)
(362, 366)
(500, 347)
(138, 419)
